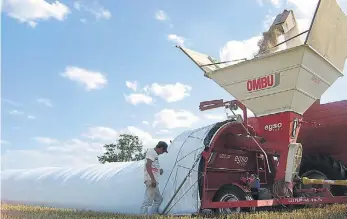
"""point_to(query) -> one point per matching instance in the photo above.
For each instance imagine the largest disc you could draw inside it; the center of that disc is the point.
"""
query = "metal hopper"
(290, 80)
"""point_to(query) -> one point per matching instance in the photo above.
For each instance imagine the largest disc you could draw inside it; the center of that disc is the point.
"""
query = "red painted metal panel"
(274, 202)
(329, 139)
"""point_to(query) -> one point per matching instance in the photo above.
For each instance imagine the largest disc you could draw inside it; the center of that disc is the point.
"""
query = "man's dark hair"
(162, 144)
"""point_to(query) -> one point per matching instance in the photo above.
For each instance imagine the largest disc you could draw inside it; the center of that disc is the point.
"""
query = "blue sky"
(75, 74)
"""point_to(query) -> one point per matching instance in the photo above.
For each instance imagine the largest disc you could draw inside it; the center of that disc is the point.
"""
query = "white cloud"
(31, 117)
(16, 112)
(144, 136)
(276, 3)
(98, 11)
(11, 102)
(31, 12)
(260, 2)
(334, 92)
(131, 116)
(132, 85)
(145, 122)
(170, 92)
(45, 101)
(343, 5)
(102, 133)
(147, 139)
(83, 20)
(90, 79)
(20, 113)
(303, 11)
(106, 14)
(217, 117)
(163, 131)
(3, 142)
(239, 49)
(161, 15)
(46, 140)
(219, 114)
(269, 19)
(77, 6)
(73, 145)
(73, 152)
(138, 98)
(304, 8)
(108, 135)
(179, 40)
(175, 119)
(32, 24)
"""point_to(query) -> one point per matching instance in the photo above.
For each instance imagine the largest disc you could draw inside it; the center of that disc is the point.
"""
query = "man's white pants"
(152, 197)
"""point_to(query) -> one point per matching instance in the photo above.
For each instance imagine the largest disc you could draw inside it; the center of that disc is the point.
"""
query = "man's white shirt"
(153, 156)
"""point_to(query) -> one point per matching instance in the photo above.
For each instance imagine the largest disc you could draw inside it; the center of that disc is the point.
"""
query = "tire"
(320, 166)
(231, 193)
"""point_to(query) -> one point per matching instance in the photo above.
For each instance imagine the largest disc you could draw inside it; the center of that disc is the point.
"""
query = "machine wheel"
(231, 193)
(323, 167)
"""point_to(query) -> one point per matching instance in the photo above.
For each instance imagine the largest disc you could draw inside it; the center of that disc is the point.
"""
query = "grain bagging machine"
(293, 143)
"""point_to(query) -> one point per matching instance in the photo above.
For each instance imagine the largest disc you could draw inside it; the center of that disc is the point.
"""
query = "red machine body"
(237, 151)
(325, 132)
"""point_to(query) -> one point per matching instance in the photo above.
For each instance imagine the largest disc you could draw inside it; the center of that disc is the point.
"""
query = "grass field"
(28, 212)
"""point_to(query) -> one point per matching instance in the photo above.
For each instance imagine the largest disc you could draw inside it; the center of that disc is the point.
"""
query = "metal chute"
(328, 33)
(205, 62)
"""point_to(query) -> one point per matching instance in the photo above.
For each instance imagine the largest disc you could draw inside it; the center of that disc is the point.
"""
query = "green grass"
(22, 211)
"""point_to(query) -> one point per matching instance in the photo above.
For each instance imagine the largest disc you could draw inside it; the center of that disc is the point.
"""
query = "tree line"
(127, 148)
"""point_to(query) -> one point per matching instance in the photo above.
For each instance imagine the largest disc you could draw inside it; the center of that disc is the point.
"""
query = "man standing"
(152, 172)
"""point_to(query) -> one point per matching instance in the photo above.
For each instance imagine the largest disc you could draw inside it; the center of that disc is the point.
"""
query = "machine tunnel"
(229, 139)
(207, 141)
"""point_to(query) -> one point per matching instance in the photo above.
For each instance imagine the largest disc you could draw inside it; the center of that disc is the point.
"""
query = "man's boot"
(156, 204)
(144, 210)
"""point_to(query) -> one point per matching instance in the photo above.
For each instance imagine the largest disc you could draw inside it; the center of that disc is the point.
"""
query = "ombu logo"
(265, 82)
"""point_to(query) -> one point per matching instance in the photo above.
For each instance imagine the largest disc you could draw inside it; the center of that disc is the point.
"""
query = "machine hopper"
(292, 79)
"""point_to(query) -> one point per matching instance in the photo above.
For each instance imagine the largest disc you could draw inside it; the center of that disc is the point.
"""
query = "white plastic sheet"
(113, 187)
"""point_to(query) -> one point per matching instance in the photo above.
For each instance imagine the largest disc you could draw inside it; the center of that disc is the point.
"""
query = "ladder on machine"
(261, 168)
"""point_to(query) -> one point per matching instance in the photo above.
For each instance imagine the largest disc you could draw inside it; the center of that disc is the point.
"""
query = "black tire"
(233, 193)
(332, 169)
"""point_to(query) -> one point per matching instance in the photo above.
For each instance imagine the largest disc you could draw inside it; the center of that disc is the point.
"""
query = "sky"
(76, 74)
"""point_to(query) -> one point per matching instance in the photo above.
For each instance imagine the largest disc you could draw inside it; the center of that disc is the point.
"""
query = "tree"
(127, 148)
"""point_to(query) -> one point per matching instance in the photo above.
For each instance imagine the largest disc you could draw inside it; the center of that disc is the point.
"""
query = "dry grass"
(21, 211)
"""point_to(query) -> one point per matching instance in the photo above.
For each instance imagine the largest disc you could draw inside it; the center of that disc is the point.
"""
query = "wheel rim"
(229, 198)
